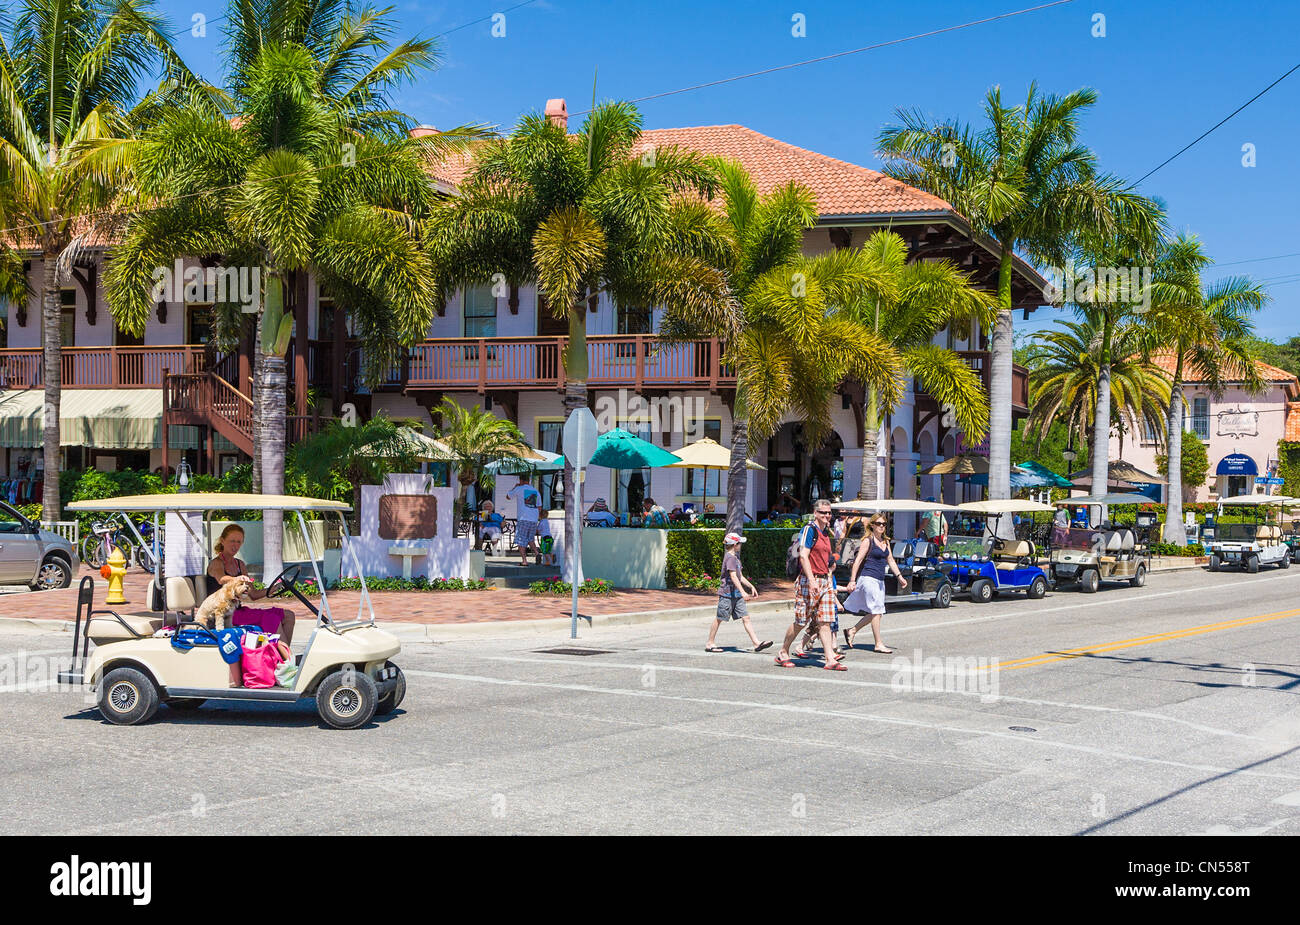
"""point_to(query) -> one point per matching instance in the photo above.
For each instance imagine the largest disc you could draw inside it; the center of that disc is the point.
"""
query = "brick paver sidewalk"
(404, 606)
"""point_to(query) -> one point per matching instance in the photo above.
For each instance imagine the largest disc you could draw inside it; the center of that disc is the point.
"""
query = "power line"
(1219, 123)
(843, 54)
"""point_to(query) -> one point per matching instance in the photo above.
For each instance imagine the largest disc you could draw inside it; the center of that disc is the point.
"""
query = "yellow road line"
(1066, 654)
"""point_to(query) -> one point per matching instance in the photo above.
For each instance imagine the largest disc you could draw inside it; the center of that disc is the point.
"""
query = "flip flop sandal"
(763, 645)
(797, 654)
(714, 649)
(785, 663)
(834, 666)
(884, 651)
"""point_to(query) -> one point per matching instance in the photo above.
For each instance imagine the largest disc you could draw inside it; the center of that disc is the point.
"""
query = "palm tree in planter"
(925, 297)
(315, 175)
(1024, 180)
(358, 455)
(581, 216)
(476, 438)
(1208, 331)
(69, 105)
(1064, 386)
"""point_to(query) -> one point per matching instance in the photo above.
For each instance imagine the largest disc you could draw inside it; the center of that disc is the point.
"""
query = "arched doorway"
(799, 474)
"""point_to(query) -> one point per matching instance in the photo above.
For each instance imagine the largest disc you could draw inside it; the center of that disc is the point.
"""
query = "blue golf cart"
(987, 565)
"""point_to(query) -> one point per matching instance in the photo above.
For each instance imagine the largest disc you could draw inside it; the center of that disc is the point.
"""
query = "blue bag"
(229, 642)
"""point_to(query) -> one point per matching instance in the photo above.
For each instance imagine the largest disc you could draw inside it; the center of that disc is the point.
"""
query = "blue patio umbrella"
(1055, 480)
(619, 449)
(1020, 478)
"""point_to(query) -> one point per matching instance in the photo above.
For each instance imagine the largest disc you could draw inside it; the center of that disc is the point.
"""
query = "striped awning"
(107, 419)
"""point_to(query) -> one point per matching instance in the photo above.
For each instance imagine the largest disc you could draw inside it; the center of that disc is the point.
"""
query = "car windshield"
(967, 547)
(1237, 531)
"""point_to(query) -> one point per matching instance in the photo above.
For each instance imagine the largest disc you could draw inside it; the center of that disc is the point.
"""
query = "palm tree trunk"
(737, 474)
(868, 482)
(1001, 351)
(258, 372)
(273, 436)
(1101, 419)
(52, 328)
(1175, 529)
(575, 397)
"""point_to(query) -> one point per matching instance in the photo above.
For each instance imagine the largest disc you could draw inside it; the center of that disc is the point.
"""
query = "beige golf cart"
(346, 667)
(1110, 552)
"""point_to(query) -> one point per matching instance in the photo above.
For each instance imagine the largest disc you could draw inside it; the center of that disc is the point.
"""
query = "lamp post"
(183, 475)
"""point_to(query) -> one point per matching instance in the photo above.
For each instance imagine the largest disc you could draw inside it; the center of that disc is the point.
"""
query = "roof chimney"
(558, 112)
(420, 131)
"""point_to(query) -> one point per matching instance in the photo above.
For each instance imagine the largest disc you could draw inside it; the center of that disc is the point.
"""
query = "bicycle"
(106, 535)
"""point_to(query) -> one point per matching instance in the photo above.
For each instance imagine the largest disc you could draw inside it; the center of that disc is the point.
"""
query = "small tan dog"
(215, 611)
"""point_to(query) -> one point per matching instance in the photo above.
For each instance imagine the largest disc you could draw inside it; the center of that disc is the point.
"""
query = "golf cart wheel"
(1139, 577)
(1037, 589)
(1284, 562)
(55, 573)
(127, 697)
(981, 591)
(942, 597)
(392, 700)
(1214, 563)
(1089, 581)
(1252, 565)
(347, 699)
(186, 704)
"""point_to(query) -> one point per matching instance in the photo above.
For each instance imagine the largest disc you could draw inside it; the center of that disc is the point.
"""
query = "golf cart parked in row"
(135, 666)
(918, 559)
(987, 565)
(1255, 543)
(1110, 552)
(1291, 536)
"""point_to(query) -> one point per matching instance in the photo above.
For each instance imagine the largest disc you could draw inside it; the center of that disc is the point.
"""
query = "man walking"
(528, 506)
(814, 602)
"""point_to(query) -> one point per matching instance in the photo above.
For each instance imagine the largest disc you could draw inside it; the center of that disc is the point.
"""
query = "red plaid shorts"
(815, 604)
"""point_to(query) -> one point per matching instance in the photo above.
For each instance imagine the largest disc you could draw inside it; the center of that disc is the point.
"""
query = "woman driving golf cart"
(226, 568)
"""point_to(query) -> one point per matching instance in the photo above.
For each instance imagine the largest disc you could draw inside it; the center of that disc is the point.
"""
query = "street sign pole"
(575, 577)
(580, 434)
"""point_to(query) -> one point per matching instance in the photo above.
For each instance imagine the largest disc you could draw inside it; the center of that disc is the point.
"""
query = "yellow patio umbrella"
(707, 454)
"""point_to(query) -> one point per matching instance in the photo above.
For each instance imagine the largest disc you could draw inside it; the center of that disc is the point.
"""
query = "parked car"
(1109, 552)
(29, 555)
(1255, 543)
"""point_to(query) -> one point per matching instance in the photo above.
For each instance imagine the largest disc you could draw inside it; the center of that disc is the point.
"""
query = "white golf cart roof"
(1116, 498)
(1258, 500)
(1003, 506)
(209, 501)
(890, 506)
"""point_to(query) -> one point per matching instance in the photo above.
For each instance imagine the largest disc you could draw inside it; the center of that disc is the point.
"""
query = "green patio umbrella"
(1056, 481)
(619, 449)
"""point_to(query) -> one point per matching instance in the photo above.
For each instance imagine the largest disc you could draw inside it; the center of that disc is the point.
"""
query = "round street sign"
(580, 437)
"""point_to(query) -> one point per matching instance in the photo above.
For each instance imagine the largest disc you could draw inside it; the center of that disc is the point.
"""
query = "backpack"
(793, 568)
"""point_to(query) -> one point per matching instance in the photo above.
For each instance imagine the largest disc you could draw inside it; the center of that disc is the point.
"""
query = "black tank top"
(873, 566)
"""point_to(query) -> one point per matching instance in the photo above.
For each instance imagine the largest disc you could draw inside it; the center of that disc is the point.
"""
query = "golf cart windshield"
(1239, 532)
(1076, 538)
(967, 547)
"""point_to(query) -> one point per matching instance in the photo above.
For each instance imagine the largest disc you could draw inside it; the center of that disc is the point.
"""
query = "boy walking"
(732, 594)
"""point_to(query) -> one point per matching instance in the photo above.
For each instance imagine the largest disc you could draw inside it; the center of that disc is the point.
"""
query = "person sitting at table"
(490, 523)
(599, 514)
(653, 514)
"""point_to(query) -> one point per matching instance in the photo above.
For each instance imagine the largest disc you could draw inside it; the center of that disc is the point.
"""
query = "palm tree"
(1209, 332)
(929, 295)
(581, 216)
(69, 105)
(476, 438)
(1026, 182)
(314, 174)
(1064, 387)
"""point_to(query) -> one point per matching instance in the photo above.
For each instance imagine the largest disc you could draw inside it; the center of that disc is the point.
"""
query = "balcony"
(100, 367)
(978, 360)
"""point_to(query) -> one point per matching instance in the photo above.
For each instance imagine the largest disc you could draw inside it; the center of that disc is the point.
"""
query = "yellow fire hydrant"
(116, 568)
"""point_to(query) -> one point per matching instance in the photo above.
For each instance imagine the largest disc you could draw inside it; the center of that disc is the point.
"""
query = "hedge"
(1173, 549)
(695, 552)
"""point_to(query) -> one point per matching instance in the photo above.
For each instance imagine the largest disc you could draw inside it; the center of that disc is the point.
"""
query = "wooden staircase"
(207, 400)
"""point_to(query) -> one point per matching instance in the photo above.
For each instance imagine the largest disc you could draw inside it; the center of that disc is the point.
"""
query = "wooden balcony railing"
(100, 367)
(978, 360)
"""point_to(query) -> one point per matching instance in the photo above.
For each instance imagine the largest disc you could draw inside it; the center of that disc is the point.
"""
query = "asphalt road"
(1171, 709)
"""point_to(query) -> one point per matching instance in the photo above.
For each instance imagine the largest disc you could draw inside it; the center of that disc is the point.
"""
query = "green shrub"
(415, 584)
(1173, 549)
(699, 552)
(558, 586)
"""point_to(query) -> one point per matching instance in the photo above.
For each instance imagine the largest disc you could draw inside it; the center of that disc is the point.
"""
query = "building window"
(631, 320)
(1201, 418)
(324, 318)
(706, 482)
(198, 322)
(632, 485)
(550, 437)
(1149, 435)
(68, 328)
(480, 319)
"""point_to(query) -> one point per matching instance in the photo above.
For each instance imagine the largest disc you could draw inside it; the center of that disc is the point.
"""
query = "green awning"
(107, 419)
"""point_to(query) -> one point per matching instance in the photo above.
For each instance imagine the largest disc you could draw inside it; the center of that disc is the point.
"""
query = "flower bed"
(559, 586)
(414, 584)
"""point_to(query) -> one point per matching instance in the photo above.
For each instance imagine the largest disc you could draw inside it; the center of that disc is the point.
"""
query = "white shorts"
(867, 596)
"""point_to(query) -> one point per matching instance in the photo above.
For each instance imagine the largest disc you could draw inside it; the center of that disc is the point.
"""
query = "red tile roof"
(841, 188)
(1167, 361)
(1292, 432)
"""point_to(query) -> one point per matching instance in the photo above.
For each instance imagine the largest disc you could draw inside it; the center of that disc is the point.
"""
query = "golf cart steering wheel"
(288, 581)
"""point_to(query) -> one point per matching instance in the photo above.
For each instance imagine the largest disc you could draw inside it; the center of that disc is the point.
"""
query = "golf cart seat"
(1268, 532)
(105, 626)
(1008, 554)
(1128, 540)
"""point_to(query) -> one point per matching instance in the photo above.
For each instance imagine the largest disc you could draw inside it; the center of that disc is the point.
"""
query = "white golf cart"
(1258, 542)
(134, 667)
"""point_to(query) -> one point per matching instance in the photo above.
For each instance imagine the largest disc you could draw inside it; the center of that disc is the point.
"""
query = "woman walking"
(731, 596)
(867, 594)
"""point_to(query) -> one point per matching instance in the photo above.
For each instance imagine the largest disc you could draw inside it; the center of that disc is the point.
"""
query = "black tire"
(1214, 563)
(54, 573)
(391, 701)
(1285, 562)
(347, 698)
(1252, 565)
(1139, 577)
(1037, 589)
(186, 704)
(981, 591)
(942, 596)
(1089, 581)
(127, 697)
(144, 558)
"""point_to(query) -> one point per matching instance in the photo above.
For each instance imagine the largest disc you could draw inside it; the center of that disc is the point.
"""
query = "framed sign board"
(408, 517)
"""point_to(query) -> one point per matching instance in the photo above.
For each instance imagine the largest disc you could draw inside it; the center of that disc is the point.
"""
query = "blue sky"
(1165, 72)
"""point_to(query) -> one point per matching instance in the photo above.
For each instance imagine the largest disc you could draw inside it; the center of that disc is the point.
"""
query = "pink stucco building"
(1240, 431)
